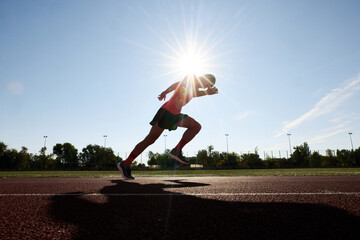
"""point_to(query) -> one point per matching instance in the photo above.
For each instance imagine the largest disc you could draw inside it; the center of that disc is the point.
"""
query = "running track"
(181, 208)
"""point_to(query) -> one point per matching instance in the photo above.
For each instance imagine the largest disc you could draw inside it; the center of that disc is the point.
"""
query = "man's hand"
(212, 91)
(162, 96)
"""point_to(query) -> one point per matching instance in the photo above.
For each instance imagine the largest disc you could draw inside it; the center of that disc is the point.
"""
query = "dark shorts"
(167, 120)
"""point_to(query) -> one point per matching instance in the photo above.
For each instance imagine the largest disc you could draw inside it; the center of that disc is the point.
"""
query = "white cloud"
(327, 104)
(323, 137)
(337, 119)
(242, 116)
(15, 88)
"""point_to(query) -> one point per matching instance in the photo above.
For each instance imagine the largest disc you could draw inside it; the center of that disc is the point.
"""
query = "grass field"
(185, 173)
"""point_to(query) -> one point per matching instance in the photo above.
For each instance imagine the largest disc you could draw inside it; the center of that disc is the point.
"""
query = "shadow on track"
(190, 217)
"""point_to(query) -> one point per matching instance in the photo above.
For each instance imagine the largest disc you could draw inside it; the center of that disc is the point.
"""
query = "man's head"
(206, 81)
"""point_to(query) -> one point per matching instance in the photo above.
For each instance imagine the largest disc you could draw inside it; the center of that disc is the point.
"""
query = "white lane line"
(174, 194)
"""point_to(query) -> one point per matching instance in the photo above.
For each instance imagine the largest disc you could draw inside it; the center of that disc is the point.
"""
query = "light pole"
(45, 137)
(227, 148)
(102, 165)
(352, 146)
(42, 164)
(227, 143)
(290, 144)
(165, 141)
(105, 136)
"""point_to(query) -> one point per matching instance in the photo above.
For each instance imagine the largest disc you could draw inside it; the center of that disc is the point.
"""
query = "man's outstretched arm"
(209, 91)
(162, 96)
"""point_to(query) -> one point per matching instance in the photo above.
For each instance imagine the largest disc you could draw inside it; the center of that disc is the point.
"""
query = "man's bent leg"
(154, 134)
(193, 128)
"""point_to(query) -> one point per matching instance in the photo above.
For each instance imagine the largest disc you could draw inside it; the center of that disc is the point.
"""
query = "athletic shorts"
(167, 120)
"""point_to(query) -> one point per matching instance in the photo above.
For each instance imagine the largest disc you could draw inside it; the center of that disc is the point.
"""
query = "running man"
(170, 117)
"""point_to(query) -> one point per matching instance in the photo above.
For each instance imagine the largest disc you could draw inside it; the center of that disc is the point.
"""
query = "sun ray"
(185, 47)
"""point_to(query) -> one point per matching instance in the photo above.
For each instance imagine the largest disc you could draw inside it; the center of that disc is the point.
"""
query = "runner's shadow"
(129, 210)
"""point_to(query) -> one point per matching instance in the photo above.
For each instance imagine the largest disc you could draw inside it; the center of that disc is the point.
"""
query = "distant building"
(196, 166)
(154, 166)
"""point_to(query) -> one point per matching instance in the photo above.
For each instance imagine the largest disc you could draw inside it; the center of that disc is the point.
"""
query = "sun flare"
(188, 51)
(190, 63)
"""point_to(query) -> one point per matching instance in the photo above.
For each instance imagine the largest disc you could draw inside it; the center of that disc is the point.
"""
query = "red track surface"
(181, 208)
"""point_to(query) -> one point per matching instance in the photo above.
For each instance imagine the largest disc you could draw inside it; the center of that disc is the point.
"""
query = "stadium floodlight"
(227, 147)
(227, 143)
(352, 146)
(165, 141)
(42, 164)
(105, 136)
(103, 161)
(289, 143)
(45, 137)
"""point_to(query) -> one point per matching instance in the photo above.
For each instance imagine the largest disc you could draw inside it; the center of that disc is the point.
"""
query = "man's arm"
(162, 96)
(209, 91)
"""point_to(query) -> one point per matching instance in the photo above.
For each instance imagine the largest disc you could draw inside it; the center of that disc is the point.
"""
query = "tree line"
(94, 157)
(63, 157)
(302, 157)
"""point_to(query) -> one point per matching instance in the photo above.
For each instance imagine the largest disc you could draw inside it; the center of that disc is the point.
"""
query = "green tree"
(329, 160)
(3, 148)
(345, 158)
(43, 161)
(357, 157)
(109, 158)
(141, 166)
(210, 150)
(301, 155)
(270, 162)
(211, 159)
(164, 160)
(11, 159)
(193, 160)
(202, 158)
(251, 160)
(315, 160)
(228, 160)
(24, 159)
(5, 161)
(91, 157)
(152, 159)
(67, 154)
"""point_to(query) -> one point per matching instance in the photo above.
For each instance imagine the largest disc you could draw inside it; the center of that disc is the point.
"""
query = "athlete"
(170, 117)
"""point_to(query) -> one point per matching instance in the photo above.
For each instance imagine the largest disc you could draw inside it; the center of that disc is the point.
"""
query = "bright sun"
(189, 56)
(190, 63)
(188, 59)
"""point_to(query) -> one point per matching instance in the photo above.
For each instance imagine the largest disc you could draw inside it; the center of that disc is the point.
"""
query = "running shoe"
(125, 171)
(177, 155)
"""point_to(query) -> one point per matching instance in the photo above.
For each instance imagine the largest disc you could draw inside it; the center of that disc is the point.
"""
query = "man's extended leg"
(154, 134)
(124, 167)
(193, 128)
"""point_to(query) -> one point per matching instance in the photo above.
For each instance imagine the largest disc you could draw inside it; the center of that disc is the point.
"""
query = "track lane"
(206, 207)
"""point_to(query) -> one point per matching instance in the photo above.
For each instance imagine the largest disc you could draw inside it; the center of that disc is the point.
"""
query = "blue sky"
(77, 70)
